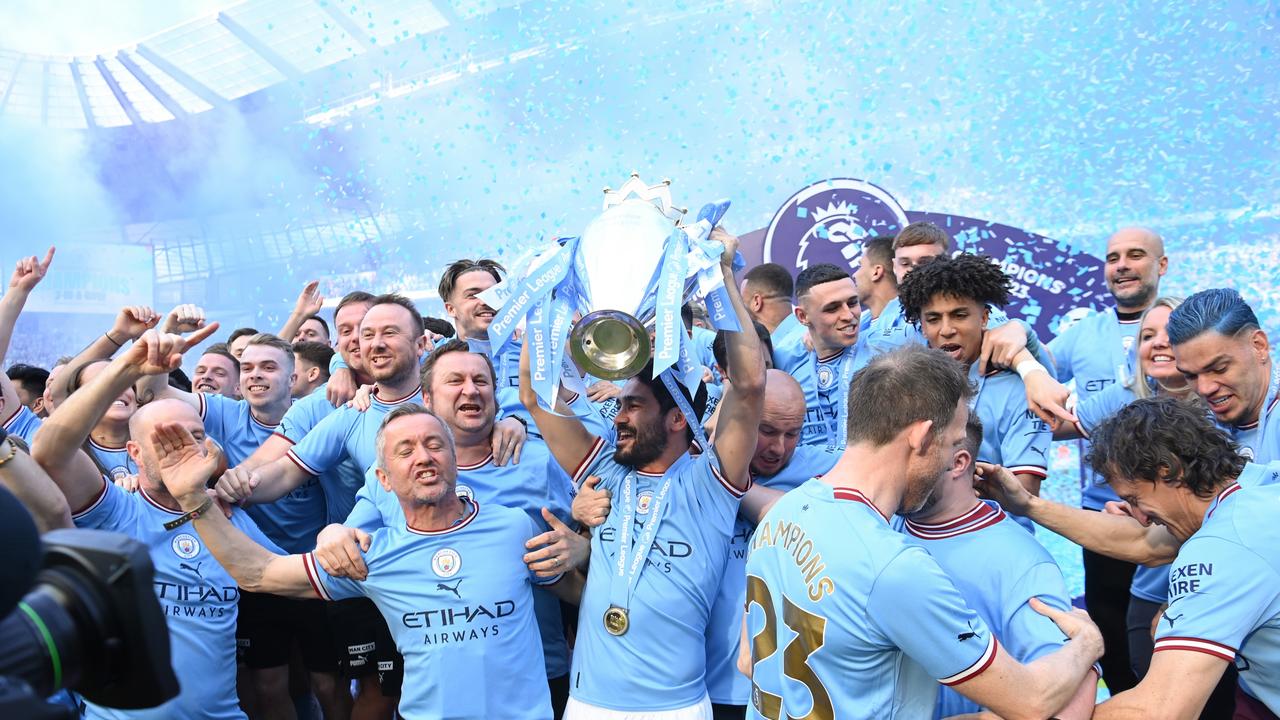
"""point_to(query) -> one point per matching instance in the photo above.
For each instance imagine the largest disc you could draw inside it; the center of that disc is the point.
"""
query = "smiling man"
(217, 372)
(1222, 351)
(830, 310)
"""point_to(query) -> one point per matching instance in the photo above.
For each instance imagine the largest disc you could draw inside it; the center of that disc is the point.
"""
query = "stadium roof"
(211, 60)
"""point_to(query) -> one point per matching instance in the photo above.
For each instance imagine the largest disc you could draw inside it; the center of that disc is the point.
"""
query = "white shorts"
(578, 710)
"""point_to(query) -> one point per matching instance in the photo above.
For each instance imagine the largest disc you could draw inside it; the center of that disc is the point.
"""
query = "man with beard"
(834, 593)
(450, 577)
(779, 464)
(391, 346)
(1097, 352)
(458, 386)
(951, 300)
(217, 372)
(460, 289)
(197, 595)
(642, 628)
(997, 568)
(270, 626)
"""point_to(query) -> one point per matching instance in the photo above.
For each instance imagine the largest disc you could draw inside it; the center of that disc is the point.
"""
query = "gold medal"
(616, 620)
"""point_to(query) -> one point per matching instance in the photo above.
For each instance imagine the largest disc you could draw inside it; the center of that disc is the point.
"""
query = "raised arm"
(57, 443)
(308, 303)
(20, 475)
(1117, 536)
(185, 318)
(565, 435)
(185, 467)
(130, 323)
(743, 402)
(26, 275)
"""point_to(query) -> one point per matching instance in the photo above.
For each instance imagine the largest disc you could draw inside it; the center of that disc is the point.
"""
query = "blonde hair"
(1138, 383)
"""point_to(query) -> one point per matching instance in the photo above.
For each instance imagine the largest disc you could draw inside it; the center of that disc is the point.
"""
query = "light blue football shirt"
(536, 482)
(725, 684)
(1260, 440)
(339, 483)
(115, 460)
(347, 433)
(199, 600)
(841, 596)
(1224, 590)
(459, 603)
(294, 520)
(820, 378)
(1096, 352)
(660, 663)
(1012, 435)
(23, 423)
(998, 568)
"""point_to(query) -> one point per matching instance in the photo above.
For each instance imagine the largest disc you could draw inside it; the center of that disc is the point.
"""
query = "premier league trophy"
(628, 275)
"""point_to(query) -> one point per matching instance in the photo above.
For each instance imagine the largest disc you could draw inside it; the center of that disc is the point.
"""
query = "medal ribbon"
(627, 575)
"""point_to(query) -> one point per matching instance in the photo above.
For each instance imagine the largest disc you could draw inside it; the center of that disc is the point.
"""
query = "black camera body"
(90, 623)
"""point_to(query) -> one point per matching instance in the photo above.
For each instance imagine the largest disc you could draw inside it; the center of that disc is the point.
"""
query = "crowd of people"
(373, 514)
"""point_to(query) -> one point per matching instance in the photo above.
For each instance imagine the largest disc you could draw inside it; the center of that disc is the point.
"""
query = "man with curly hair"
(950, 300)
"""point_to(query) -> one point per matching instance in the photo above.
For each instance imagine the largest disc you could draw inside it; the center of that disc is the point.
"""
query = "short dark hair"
(1163, 439)
(239, 333)
(272, 341)
(402, 301)
(316, 353)
(452, 346)
(817, 275)
(771, 279)
(720, 346)
(973, 436)
(922, 232)
(878, 250)
(355, 296)
(438, 326)
(456, 270)
(320, 320)
(964, 276)
(906, 386)
(1221, 310)
(33, 378)
(224, 350)
(666, 402)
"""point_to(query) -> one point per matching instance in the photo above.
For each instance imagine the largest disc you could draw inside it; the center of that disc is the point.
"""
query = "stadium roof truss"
(209, 61)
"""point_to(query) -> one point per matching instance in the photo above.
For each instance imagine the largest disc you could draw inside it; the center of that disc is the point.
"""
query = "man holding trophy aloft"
(657, 559)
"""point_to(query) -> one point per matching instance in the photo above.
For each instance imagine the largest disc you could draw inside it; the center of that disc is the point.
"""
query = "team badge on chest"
(826, 377)
(446, 562)
(644, 502)
(186, 546)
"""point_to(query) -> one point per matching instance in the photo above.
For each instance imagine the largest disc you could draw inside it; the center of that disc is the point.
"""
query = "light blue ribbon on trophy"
(530, 291)
(705, 258)
(547, 328)
(668, 325)
(686, 408)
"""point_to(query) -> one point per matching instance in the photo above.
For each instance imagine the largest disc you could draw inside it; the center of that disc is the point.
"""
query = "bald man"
(198, 596)
(1097, 352)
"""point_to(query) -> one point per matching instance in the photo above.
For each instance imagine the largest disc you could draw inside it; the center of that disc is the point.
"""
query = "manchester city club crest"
(827, 222)
(644, 502)
(186, 546)
(826, 377)
(446, 562)
(465, 492)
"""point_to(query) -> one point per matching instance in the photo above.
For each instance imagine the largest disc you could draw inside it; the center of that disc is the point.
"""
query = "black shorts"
(268, 626)
(364, 645)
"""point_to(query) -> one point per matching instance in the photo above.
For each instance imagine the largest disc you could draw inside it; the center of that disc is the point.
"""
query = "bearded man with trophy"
(657, 559)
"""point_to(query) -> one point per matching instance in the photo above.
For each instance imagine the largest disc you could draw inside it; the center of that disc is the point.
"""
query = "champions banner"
(827, 221)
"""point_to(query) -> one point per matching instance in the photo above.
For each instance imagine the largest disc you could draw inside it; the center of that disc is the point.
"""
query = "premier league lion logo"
(827, 222)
